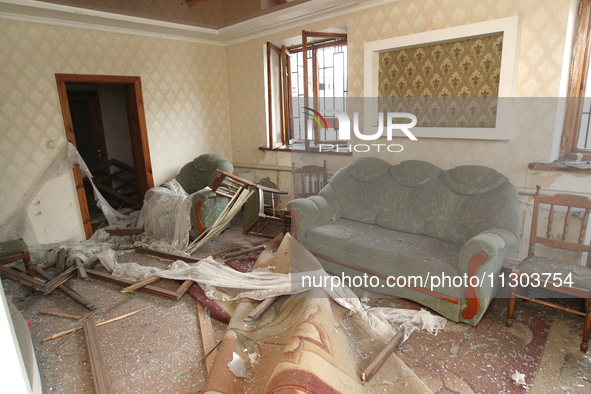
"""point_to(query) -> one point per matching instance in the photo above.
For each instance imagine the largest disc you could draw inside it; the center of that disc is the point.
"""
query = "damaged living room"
(295, 196)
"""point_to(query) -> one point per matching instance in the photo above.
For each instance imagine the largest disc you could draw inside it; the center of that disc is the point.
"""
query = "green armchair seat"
(413, 221)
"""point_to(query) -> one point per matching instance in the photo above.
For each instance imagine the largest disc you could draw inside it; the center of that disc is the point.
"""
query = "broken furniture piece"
(257, 214)
(569, 280)
(415, 220)
(11, 251)
(197, 175)
(308, 180)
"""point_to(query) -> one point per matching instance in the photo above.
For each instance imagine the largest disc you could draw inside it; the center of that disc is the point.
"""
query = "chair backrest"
(308, 180)
(565, 200)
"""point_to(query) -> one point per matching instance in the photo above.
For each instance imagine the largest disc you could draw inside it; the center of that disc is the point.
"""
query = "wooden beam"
(98, 364)
(381, 358)
(171, 295)
(60, 264)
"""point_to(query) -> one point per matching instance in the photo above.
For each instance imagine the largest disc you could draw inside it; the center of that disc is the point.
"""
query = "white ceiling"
(274, 19)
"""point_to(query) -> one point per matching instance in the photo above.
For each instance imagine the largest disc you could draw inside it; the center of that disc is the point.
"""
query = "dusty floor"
(158, 350)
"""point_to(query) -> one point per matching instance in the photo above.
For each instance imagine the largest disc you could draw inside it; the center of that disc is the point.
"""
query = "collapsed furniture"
(414, 220)
(564, 279)
(196, 179)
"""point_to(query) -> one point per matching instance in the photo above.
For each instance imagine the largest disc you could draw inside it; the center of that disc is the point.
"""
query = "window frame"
(285, 87)
(579, 67)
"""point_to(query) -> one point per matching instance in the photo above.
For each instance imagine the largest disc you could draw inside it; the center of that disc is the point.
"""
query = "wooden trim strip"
(171, 295)
(68, 291)
(207, 336)
(98, 364)
(167, 256)
(383, 356)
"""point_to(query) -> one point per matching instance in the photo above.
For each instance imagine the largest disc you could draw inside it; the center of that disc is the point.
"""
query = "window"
(576, 133)
(292, 104)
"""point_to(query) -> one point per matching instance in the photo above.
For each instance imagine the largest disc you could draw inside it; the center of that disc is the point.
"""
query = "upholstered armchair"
(166, 207)
(196, 176)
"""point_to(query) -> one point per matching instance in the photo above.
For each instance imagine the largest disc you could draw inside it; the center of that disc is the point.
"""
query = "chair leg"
(586, 328)
(28, 265)
(511, 307)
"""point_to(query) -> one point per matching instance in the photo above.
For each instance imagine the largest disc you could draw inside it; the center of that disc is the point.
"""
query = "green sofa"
(414, 220)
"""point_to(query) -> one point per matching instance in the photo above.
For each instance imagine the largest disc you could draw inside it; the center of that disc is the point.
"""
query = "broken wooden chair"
(569, 280)
(14, 250)
(258, 214)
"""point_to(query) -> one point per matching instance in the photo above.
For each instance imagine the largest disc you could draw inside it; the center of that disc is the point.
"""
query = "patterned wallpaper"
(185, 92)
(467, 68)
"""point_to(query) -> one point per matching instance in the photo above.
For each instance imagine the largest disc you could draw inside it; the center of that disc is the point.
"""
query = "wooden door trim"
(138, 132)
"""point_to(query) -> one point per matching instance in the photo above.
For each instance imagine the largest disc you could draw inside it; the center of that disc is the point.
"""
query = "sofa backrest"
(418, 197)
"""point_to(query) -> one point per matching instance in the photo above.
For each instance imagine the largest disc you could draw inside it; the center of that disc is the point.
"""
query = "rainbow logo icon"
(316, 117)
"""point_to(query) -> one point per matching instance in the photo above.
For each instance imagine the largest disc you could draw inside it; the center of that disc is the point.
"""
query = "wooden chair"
(568, 279)
(15, 250)
(310, 179)
(257, 214)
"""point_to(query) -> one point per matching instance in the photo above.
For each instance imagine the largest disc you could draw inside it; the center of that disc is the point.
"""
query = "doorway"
(114, 145)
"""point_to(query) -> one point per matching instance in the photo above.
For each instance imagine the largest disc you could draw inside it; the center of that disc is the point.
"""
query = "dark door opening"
(104, 119)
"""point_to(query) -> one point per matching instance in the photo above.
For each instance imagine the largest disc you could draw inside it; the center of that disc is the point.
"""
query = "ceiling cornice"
(63, 15)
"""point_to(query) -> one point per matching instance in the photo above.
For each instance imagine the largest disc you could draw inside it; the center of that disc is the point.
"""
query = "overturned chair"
(165, 207)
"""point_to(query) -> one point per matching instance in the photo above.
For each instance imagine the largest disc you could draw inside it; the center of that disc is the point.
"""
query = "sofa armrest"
(310, 212)
(482, 251)
(488, 242)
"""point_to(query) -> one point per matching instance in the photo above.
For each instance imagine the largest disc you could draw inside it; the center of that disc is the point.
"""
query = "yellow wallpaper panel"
(465, 72)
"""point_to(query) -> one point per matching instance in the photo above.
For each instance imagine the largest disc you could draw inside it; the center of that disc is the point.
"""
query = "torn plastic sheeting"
(260, 284)
(17, 226)
(166, 214)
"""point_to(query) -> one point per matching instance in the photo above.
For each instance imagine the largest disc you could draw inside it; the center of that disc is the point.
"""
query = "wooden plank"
(207, 336)
(171, 295)
(168, 256)
(60, 264)
(23, 279)
(100, 323)
(98, 364)
(81, 271)
(260, 309)
(381, 358)
(140, 284)
(53, 313)
(60, 279)
(68, 291)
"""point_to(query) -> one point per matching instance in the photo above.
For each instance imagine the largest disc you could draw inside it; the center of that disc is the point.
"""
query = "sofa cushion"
(359, 213)
(471, 180)
(400, 221)
(383, 250)
(367, 169)
(413, 173)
